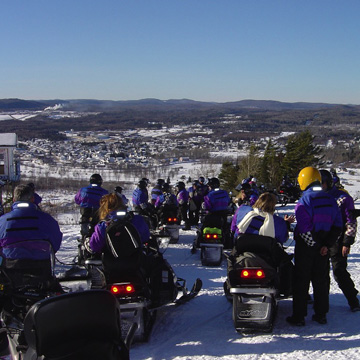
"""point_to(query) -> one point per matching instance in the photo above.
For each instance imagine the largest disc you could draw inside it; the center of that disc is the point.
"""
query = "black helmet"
(96, 179)
(165, 187)
(160, 181)
(142, 184)
(214, 183)
(201, 180)
(118, 189)
(146, 180)
(327, 178)
(180, 185)
(245, 186)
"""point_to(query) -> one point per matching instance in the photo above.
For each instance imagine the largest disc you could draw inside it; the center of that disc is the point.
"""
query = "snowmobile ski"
(191, 294)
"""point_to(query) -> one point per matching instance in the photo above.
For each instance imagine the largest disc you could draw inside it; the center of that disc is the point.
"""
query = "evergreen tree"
(269, 168)
(228, 175)
(300, 153)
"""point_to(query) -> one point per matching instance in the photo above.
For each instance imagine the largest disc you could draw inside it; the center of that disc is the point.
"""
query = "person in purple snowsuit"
(246, 199)
(319, 224)
(28, 239)
(341, 249)
(256, 216)
(182, 196)
(109, 205)
(89, 200)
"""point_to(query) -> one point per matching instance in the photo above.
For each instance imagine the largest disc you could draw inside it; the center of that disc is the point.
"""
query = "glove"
(348, 240)
(87, 245)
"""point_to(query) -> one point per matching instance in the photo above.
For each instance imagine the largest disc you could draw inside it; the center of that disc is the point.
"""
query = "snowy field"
(202, 329)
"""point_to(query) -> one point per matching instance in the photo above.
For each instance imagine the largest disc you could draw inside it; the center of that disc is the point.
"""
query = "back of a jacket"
(317, 212)
(217, 200)
(26, 223)
(90, 196)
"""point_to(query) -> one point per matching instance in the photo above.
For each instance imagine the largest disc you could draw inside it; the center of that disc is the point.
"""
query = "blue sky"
(213, 50)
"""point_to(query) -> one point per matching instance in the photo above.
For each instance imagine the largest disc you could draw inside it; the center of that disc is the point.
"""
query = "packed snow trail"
(203, 329)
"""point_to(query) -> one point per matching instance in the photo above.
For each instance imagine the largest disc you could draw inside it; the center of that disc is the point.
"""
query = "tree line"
(270, 166)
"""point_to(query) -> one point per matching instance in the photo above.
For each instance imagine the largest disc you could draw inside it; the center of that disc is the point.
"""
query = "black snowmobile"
(72, 326)
(259, 274)
(288, 195)
(40, 321)
(140, 278)
(212, 238)
(167, 224)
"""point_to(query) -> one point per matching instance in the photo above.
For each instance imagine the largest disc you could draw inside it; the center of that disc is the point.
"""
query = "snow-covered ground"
(202, 329)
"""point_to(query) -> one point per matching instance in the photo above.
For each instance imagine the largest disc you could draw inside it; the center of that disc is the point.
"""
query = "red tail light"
(281, 191)
(122, 289)
(211, 236)
(172, 220)
(252, 274)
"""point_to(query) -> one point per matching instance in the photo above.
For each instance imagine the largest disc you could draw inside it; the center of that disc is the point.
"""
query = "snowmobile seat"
(215, 219)
(76, 326)
(166, 211)
(264, 246)
(123, 254)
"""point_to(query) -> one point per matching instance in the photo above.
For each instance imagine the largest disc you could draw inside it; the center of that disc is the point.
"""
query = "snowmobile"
(167, 225)
(133, 291)
(212, 238)
(288, 195)
(72, 326)
(138, 275)
(40, 321)
(211, 246)
(254, 283)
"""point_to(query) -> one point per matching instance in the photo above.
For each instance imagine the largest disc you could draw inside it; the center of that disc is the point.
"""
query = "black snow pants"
(342, 276)
(310, 266)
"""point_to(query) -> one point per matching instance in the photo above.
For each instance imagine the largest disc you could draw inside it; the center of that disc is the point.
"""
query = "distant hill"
(238, 120)
(156, 104)
(18, 104)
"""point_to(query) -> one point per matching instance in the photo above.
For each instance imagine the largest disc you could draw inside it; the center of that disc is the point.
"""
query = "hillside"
(246, 119)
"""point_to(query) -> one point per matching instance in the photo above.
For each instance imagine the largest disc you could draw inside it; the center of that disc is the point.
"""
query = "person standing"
(195, 200)
(89, 200)
(140, 199)
(156, 190)
(318, 227)
(341, 249)
(182, 196)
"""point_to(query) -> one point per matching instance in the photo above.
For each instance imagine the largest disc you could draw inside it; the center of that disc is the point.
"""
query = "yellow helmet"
(307, 176)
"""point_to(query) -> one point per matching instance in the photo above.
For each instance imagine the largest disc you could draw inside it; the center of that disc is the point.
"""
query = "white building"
(9, 168)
